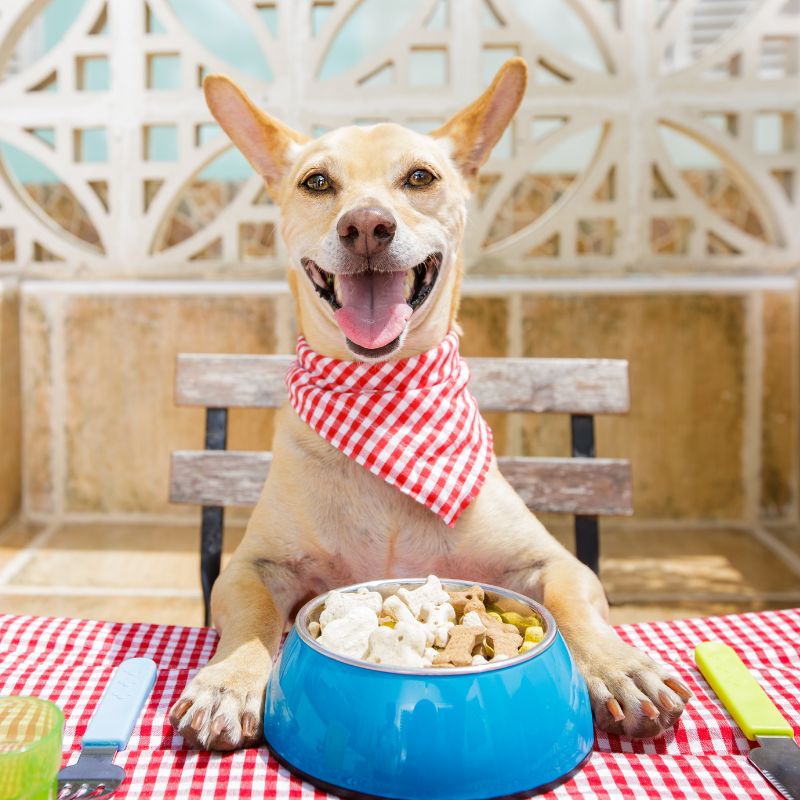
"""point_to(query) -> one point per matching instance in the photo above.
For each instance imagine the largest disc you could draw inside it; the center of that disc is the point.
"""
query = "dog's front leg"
(222, 707)
(631, 694)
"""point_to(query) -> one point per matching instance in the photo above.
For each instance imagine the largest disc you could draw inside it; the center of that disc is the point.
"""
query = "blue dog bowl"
(469, 733)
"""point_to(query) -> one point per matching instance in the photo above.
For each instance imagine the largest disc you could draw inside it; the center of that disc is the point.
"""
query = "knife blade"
(777, 755)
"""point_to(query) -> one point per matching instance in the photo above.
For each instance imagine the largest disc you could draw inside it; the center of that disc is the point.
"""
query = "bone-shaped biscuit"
(459, 599)
(472, 619)
(339, 604)
(349, 635)
(438, 621)
(430, 592)
(395, 608)
(503, 637)
(458, 652)
(401, 646)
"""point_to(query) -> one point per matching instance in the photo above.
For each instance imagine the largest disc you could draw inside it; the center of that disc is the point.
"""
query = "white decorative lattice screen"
(655, 135)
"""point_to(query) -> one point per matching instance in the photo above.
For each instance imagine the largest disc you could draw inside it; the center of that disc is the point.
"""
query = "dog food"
(462, 641)
(426, 627)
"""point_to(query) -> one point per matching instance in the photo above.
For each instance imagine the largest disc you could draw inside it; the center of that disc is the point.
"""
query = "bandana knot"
(411, 422)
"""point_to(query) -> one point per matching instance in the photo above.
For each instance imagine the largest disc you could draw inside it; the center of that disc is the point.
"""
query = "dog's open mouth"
(373, 307)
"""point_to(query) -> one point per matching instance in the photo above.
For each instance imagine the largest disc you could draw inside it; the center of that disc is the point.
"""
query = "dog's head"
(372, 217)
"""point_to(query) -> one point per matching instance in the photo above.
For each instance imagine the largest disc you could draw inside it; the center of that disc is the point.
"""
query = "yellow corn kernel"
(520, 622)
(526, 646)
(534, 634)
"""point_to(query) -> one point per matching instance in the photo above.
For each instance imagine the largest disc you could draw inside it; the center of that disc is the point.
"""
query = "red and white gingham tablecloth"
(69, 661)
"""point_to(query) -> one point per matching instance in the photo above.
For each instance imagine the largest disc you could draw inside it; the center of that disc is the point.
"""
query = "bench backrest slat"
(558, 485)
(543, 385)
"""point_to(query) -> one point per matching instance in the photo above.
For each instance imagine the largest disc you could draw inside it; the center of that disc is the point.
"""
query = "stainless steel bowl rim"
(301, 627)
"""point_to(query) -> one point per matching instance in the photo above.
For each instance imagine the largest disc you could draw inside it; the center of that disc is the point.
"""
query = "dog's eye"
(419, 177)
(317, 183)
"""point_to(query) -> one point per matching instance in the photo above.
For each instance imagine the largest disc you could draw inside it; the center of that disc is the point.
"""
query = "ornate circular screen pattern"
(653, 136)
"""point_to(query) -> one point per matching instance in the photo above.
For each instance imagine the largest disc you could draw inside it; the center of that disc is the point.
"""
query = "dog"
(362, 204)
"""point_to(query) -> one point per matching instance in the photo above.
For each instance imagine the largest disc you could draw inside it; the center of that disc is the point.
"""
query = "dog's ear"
(475, 130)
(264, 141)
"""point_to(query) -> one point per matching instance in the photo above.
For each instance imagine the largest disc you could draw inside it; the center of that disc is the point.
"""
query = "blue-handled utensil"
(95, 775)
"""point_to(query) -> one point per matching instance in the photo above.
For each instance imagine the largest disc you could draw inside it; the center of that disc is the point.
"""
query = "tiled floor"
(150, 572)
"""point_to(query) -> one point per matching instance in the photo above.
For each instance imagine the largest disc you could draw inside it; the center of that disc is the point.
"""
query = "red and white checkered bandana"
(411, 422)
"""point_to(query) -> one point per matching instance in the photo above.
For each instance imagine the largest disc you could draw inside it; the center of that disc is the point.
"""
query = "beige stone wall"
(10, 469)
(100, 420)
(712, 432)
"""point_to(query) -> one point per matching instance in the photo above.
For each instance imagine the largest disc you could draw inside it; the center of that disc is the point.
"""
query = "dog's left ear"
(475, 130)
(264, 141)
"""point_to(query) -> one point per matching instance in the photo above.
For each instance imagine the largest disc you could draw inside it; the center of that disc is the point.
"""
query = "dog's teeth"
(337, 288)
(316, 276)
(410, 280)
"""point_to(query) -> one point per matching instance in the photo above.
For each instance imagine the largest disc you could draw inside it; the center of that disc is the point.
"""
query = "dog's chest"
(375, 529)
(355, 525)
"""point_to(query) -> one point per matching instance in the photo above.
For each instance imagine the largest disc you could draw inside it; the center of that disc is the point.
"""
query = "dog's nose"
(366, 231)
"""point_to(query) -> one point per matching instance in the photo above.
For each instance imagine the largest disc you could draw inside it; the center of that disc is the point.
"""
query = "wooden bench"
(583, 485)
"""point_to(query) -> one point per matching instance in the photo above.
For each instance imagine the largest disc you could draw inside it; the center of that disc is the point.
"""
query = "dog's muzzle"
(373, 307)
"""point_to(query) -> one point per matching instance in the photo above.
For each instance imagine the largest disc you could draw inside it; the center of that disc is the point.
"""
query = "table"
(69, 661)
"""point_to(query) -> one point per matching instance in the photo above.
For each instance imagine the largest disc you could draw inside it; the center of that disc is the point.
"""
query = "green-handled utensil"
(778, 756)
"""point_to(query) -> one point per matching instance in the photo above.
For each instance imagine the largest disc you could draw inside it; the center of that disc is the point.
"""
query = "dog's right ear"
(264, 141)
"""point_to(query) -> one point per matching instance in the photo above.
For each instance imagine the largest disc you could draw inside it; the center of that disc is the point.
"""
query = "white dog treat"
(425, 627)
(473, 619)
(401, 646)
(438, 620)
(395, 608)
(339, 604)
(349, 635)
(430, 592)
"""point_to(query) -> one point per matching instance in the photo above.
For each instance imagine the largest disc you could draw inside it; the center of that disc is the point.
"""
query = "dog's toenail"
(249, 725)
(683, 691)
(181, 707)
(650, 710)
(217, 726)
(197, 719)
(615, 709)
(667, 704)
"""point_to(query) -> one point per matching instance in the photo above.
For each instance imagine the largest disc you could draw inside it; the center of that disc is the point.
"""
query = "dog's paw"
(631, 694)
(221, 709)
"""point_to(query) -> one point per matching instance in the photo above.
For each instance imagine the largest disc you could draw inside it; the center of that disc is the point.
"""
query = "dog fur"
(322, 520)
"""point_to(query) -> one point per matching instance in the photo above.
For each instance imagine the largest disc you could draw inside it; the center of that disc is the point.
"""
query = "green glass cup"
(31, 730)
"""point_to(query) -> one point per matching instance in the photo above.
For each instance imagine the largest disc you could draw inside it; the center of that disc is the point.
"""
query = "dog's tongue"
(374, 311)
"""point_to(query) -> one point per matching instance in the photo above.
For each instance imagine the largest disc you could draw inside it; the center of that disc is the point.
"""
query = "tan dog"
(379, 212)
